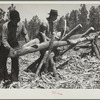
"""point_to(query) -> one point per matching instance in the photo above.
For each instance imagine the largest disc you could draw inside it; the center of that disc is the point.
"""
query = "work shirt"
(0, 34)
(20, 30)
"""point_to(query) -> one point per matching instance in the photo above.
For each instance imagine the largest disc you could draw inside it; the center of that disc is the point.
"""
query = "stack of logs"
(35, 45)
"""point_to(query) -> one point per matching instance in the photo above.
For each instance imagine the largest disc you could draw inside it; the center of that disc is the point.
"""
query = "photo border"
(44, 93)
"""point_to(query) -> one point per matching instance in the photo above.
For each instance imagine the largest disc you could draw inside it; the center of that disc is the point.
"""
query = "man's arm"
(4, 38)
(26, 38)
(5, 42)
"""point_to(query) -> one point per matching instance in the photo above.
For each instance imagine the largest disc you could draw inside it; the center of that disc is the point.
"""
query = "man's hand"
(27, 38)
(11, 53)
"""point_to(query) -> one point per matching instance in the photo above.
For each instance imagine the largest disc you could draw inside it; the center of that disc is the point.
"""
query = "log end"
(80, 25)
(92, 28)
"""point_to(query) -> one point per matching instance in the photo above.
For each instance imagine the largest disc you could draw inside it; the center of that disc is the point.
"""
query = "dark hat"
(53, 12)
(14, 15)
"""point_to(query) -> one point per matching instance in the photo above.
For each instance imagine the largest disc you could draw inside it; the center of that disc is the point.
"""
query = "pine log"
(43, 61)
(84, 34)
(37, 47)
(41, 64)
(91, 29)
(41, 46)
(36, 41)
(49, 51)
(83, 46)
(95, 47)
(71, 32)
(88, 38)
(32, 42)
(34, 65)
(53, 67)
(64, 28)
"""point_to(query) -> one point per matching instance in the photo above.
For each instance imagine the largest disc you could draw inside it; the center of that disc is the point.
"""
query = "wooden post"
(41, 64)
(53, 67)
(64, 28)
(50, 46)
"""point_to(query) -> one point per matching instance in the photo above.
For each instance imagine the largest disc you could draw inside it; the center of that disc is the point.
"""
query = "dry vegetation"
(75, 73)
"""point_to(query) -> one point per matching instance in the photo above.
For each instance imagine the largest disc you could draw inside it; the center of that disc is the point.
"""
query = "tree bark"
(37, 47)
(41, 46)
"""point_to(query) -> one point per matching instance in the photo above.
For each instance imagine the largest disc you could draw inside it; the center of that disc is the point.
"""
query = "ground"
(76, 73)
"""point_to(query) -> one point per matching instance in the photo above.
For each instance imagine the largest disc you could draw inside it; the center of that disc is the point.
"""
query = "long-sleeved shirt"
(1, 28)
(20, 30)
(0, 35)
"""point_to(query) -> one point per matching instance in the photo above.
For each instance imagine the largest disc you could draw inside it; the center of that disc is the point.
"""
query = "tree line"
(82, 16)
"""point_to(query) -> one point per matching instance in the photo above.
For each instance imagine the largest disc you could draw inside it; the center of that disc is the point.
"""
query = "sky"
(42, 10)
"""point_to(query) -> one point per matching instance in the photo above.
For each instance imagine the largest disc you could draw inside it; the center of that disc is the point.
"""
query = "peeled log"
(87, 44)
(88, 32)
(88, 38)
(71, 32)
(95, 47)
(32, 42)
(44, 45)
(37, 47)
(84, 34)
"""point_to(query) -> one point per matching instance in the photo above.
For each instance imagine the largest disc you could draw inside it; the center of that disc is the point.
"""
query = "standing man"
(47, 29)
(52, 24)
(52, 28)
(2, 53)
(11, 31)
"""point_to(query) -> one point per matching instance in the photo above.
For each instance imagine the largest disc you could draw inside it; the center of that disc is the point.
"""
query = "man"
(52, 24)
(45, 33)
(52, 29)
(2, 13)
(42, 38)
(11, 31)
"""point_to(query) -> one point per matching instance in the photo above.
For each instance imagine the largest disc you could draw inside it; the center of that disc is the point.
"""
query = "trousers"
(3, 58)
(3, 67)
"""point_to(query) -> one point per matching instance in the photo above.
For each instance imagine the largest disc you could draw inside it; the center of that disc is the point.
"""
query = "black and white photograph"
(50, 45)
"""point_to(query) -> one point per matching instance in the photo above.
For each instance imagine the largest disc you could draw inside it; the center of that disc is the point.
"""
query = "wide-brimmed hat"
(53, 12)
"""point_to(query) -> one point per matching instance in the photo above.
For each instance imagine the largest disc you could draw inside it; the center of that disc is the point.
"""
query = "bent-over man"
(11, 31)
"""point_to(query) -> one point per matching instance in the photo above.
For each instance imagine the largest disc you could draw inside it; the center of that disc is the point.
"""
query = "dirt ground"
(75, 73)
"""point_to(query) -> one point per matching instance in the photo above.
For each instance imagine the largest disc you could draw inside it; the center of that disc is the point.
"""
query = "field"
(76, 73)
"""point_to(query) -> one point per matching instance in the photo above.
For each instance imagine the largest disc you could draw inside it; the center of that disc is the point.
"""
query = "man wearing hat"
(11, 31)
(52, 28)
(52, 24)
(47, 29)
